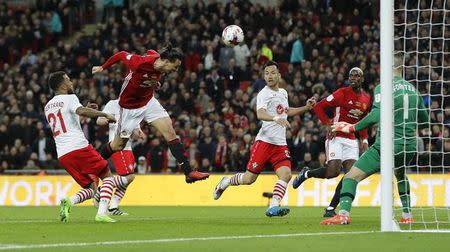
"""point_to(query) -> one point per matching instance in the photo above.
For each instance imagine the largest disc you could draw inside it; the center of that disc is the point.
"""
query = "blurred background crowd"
(212, 98)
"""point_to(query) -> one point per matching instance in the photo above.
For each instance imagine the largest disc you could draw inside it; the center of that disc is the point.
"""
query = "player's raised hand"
(110, 118)
(97, 69)
(281, 121)
(344, 127)
(311, 102)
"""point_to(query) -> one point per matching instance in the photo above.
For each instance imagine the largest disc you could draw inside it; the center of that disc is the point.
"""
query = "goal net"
(422, 38)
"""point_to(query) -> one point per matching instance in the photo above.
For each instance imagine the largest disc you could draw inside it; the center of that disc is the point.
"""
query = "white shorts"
(342, 148)
(131, 118)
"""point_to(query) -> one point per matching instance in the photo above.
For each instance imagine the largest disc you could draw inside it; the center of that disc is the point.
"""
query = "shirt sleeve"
(74, 104)
(374, 116)
(132, 61)
(261, 101)
(364, 134)
(331, 101)
(108, 108)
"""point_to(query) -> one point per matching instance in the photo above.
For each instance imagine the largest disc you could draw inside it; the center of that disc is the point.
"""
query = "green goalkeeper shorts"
(369, 162)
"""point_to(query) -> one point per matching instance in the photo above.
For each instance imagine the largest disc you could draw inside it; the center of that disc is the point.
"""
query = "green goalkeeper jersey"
(409, 114)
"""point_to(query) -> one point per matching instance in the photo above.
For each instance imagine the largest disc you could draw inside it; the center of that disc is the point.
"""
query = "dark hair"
(56, 79)
(170, 53)
(270, 63)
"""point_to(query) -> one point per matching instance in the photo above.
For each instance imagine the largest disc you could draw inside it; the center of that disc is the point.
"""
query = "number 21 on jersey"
(52, 120)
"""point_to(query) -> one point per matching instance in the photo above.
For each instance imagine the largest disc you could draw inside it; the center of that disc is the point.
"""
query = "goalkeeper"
(409, 114)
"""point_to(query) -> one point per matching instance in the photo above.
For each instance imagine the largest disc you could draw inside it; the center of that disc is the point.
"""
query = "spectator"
(241, 53)
(42, 146)
(297, 52)
(307, 161)
(328, 53)
(157, 157)
(141, 166)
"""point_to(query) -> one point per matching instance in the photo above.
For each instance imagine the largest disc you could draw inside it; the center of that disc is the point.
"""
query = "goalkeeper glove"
(343, 127)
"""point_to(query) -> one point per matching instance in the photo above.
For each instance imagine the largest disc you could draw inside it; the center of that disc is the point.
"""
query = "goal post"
(386, 109)
(419, 30)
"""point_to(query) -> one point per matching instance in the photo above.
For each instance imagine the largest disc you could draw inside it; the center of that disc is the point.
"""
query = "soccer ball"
(232, 35)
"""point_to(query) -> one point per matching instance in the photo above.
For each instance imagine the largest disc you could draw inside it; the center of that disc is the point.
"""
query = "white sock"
(406, 215)
(103, 206)
(114, 202)
(344, 212)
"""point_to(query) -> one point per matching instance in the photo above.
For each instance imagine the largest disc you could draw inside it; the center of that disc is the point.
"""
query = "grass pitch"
(203, 229)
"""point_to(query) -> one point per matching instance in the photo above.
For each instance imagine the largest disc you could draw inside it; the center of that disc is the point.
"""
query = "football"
(232, 35)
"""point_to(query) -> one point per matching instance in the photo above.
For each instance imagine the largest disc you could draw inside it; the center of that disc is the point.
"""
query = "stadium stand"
(211, 100)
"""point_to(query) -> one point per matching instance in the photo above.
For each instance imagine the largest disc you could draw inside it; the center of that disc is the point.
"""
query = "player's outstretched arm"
(92, 113)
(130, 60)
(370, 119)
(310, 103)
(264, 116)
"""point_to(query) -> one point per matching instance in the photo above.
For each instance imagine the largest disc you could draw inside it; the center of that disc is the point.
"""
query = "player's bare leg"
(164, 126)
(246, 178)
(284, 176)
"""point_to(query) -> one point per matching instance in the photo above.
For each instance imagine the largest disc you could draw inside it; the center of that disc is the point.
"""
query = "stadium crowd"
(212, 99)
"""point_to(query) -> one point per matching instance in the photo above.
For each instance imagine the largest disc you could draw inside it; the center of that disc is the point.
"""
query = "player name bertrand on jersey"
(54, 105)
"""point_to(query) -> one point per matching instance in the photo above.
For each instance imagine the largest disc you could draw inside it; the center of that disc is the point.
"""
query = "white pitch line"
(188, 239)
(119, 219)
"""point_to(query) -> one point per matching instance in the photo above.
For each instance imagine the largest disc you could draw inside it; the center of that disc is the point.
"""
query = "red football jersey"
(137, 88)
(348, 107)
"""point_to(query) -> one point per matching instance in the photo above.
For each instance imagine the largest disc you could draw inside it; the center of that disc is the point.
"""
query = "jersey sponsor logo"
(355, 113)
(350, 102)
(148, 83)
(281, 110)
(332, 154)
(129, 56)
(330, 98)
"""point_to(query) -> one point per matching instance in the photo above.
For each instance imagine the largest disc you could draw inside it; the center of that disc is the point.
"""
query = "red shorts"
(123, 162)
(262, 152)
(84, 165)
